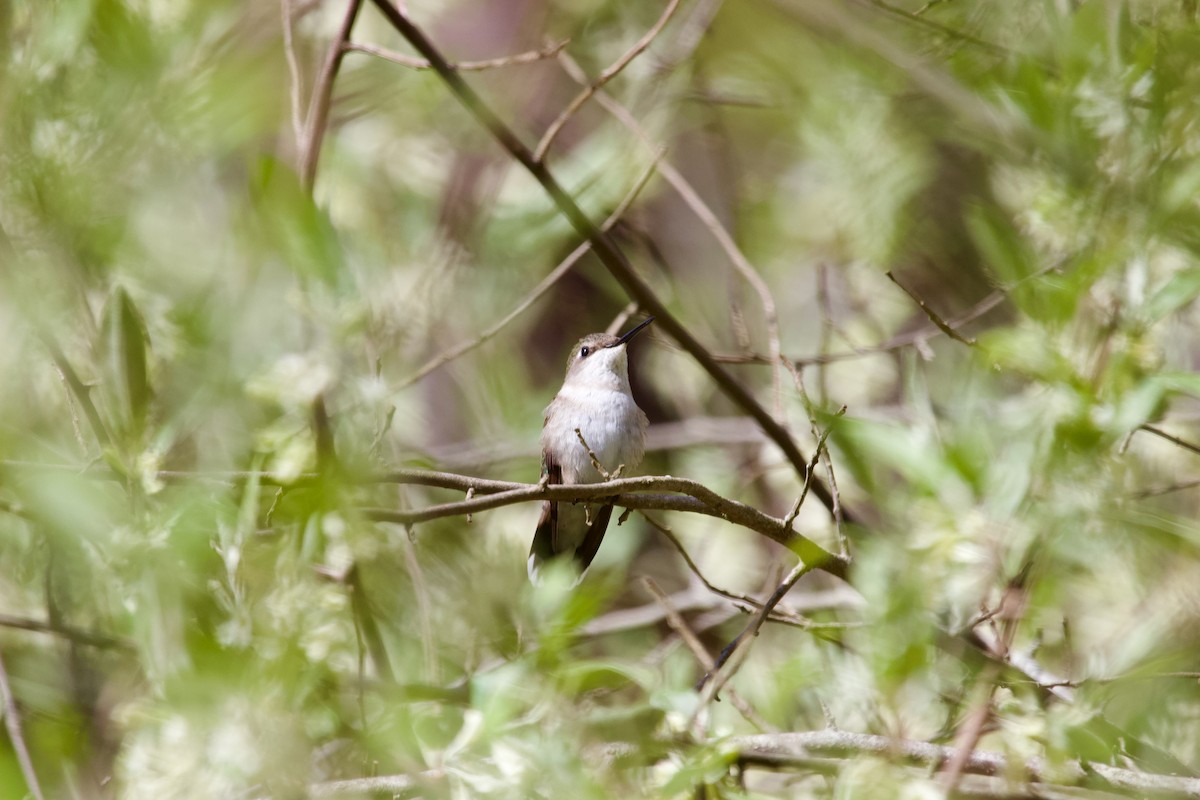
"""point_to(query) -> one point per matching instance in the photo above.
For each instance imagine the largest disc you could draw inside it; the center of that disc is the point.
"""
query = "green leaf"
(298, 230)
(1180, 290)
(126, 346)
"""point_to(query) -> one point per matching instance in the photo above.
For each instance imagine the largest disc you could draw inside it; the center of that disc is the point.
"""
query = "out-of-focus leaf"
(584, 676)
(1179, 290)
(704, 765)
(125, 346)
(294, 225)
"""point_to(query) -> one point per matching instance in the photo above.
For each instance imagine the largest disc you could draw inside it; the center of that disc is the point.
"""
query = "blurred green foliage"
(174, 306)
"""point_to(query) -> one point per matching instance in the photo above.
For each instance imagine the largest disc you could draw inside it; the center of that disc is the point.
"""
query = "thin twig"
(941, 324)
(1186, 445)
(596, 465)
(605, 248)
(694, 568)
(318, 110)
(539, 152)
(703, 213)
(945, 30)
(735, 652)
(812, 467)
(798, 379)
(12, 721)
(289, 51)
(89, 638)
(462, 66)
(538, 291)
(678, 624)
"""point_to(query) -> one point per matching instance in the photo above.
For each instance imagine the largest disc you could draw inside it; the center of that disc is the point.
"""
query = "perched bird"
(595, 399)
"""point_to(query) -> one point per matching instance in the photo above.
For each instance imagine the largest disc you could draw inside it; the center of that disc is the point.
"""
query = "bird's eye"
(583, 353)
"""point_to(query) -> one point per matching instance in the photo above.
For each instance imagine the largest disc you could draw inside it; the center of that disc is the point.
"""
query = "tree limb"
(640, 493)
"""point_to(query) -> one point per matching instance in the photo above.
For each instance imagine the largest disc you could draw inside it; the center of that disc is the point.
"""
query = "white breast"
(610, 421)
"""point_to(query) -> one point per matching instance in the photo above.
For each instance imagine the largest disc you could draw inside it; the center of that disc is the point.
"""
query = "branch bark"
(642, 493)
(784, 748)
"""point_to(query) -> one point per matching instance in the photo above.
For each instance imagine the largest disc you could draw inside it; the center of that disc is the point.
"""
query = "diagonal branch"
(605, 248)
(546, 284)
(539, 152)
(318, 111)
(12, 721)
(941, 324)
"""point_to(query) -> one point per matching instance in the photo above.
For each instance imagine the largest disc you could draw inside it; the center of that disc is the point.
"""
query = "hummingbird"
(595, 400)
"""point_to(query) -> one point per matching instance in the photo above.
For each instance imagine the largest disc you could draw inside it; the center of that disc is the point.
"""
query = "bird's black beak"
(627, 337)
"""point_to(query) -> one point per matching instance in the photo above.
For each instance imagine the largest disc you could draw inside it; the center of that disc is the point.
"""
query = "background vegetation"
(236, 262)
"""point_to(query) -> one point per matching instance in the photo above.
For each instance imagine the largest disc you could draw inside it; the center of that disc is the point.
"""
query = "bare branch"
(678, 624)
(1159, 432)
(289, 50)
(411, 62)
(812, 467)
(735, 652)
(596, 465)
(633, 493)
(546, 284)
(539, 152)
(380, 784)
(605, 248)
(318, 110)
(784, 748)
(89, 638)
(941, 324)
(945, 30)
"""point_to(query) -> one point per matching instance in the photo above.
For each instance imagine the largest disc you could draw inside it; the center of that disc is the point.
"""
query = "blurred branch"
(900, 341)
(998, 125)
(12, 722)
(411, 62)
(605, 248)
(546, 284)
(952, 33)
(631, 493)
(539, 152)
(735, 652)
(289, 51)
(89, 638)
(678, 624)
(810, 409)
(779, 749)
(702, 211)
(1159, 432)
(318, 111)
(380, 784)
(941, 324)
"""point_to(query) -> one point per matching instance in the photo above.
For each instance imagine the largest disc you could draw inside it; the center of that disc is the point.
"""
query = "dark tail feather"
(591, 541)
(542, 549)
